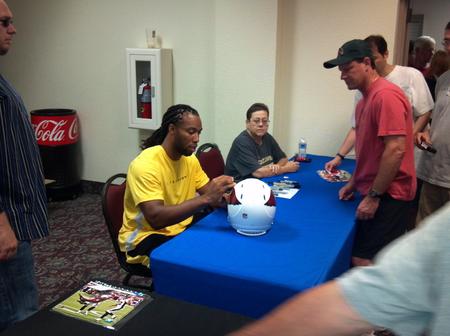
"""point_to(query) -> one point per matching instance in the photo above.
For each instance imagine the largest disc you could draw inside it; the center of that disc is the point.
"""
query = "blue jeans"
(18, 290)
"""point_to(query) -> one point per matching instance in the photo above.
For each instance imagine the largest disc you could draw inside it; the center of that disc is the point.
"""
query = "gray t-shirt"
(408, 289)
(246, 155)
(435, 168)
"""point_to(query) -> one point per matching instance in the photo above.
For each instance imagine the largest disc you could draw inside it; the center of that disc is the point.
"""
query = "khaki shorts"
(432, 197)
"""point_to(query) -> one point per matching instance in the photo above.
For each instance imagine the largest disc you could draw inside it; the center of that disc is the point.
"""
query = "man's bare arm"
(391, 159)
(8, 240)
(281, 167)
(346, 147)
(159, 215)
(420, 125)
(320, 311)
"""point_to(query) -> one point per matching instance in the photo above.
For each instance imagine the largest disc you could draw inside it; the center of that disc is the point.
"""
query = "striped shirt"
(22, 191)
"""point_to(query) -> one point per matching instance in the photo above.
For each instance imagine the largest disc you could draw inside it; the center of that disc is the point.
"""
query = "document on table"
(287, 193)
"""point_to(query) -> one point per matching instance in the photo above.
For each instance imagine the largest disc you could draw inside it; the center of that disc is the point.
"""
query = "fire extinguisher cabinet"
(149, 86)
(57, 135)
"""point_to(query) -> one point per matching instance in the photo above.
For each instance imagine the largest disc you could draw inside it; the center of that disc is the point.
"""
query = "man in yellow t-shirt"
(162, 182)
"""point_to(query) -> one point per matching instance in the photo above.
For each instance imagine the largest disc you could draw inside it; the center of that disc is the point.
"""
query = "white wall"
(436, 16)
(72, 54)
(311, 101)
(245, 49)
(227, 54)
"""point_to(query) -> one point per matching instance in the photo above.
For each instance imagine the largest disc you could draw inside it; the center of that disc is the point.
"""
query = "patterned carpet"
(78, 249)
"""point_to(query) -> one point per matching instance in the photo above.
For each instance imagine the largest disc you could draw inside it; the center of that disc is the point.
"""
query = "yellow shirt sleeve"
(145, 183)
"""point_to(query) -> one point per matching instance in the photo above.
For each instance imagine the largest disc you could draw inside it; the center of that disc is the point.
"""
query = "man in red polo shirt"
(384, 174)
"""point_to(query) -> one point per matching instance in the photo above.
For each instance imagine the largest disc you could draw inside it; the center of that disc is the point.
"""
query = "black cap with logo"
(350, 51)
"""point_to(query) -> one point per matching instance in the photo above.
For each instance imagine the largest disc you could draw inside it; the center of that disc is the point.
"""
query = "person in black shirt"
(254, 152)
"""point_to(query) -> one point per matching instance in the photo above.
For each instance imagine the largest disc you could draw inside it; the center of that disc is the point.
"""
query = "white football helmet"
(251, 209)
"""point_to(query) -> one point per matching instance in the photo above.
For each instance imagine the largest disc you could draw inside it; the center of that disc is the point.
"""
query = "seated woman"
(254, 152)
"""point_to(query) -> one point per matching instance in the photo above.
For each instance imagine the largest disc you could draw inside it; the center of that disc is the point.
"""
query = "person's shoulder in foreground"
(408, 288)
(407, 291)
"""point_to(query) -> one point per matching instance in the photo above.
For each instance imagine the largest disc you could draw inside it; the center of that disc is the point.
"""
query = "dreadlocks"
(172, 116)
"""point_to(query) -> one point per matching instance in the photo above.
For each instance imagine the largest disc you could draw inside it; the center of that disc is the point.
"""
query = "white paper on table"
(285, 193)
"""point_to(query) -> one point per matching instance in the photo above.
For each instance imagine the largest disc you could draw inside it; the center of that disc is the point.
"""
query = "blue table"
(309, 243)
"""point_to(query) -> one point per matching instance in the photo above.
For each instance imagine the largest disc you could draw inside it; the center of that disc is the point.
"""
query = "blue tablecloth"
(309, 243)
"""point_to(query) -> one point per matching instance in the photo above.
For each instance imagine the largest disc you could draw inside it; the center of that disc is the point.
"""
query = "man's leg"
(389, 223)
(143, 249)
(18, 290)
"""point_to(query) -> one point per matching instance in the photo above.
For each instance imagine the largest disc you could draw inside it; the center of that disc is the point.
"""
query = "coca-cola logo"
(56, 131)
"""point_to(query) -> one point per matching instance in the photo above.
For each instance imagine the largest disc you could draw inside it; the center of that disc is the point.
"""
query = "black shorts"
(389, 223)
(154, 240)
(149, 244)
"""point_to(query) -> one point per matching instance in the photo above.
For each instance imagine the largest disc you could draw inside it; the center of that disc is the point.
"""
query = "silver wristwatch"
(374, 194)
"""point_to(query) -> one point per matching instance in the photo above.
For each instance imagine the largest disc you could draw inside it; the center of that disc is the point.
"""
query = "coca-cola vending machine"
(58, 138)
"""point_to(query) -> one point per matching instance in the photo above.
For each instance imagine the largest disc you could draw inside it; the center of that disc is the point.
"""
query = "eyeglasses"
(260, 121)
(6, 22)
(446, 42)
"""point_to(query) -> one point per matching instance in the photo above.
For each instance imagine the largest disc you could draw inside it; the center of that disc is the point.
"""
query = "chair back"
(211, 160)
(112, 204)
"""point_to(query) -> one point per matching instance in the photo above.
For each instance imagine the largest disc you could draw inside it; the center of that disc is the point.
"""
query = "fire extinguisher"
(146, 101)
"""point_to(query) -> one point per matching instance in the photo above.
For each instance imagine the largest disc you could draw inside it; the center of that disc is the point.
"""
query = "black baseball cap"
(351, 50)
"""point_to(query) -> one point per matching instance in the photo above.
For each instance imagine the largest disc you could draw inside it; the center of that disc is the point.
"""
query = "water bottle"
(302, 149)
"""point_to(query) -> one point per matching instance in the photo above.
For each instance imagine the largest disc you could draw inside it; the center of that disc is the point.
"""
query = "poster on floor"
(100, 303)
